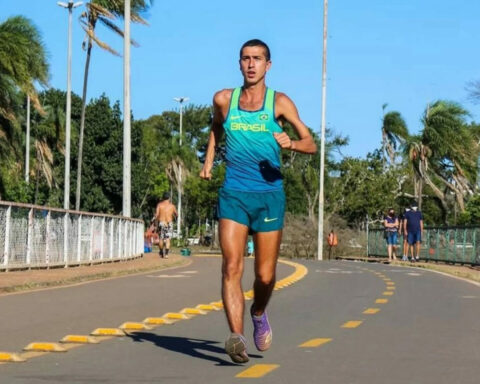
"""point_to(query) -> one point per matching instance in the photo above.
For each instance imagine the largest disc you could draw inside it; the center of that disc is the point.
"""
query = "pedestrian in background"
(391, 225)
(413, 227)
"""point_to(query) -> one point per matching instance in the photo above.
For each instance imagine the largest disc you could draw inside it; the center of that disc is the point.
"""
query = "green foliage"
(471, 216)
(22, 62)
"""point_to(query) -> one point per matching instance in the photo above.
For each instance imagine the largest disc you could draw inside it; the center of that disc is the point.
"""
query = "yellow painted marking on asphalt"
(390, 283)
(156, 321)
(207, 307)
(371, 311)
(44, 347)
(381, 301)
(132, 326)
(107, 332)
(176, 316)
(388, 293)
(11, 357)
(193, 311)
(391, 288)
(81, 339)
(102, 334)
(257, 370)
(352, 324)
(217, 304)
(315, 343)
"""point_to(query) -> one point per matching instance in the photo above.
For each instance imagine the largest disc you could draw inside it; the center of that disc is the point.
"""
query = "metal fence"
(446, 244)
(36, 236)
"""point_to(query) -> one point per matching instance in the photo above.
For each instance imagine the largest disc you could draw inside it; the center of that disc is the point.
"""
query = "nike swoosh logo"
(235, 117)
(267, 220)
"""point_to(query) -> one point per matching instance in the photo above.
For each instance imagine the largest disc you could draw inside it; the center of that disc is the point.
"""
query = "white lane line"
(167, 276)
(190, 272)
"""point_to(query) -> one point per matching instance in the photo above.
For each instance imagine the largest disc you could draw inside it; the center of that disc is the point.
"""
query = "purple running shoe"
(262, 333)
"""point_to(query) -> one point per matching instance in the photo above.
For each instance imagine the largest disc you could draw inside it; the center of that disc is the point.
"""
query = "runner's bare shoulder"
(222, 98)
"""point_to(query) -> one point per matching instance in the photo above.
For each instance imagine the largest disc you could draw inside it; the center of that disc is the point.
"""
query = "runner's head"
(166, 196)
(414, 206)
(254, 61)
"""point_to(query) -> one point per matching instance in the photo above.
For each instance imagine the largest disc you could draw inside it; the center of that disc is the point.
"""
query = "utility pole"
(127, 150)
(321, 197)
(66, 190)
(180, 100)
(27, 143)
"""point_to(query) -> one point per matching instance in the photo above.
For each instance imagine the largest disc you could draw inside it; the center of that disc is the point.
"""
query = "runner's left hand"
(283, 140)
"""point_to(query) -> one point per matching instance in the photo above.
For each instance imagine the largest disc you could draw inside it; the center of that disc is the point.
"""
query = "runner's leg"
(160, 246)
(167, 247)
(267, 245)
(233, 237)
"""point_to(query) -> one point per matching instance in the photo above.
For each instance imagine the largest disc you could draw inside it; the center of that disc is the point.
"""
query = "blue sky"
(406, 53)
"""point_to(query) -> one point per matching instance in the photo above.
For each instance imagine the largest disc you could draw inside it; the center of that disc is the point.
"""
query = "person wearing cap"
(413, 227)
(403, 235)
(164, 216)
(390, 223)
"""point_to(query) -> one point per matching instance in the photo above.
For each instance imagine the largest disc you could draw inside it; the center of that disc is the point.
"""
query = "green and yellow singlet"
(252, 153)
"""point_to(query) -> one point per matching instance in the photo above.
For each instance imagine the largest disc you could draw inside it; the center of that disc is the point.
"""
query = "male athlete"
(164, 215)
(252, 197)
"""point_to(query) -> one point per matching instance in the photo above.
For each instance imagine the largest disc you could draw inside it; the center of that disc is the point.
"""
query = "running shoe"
(236, 348)
(262, 333)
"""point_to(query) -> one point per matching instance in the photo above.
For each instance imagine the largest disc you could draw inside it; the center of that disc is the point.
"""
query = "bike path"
(424, 330)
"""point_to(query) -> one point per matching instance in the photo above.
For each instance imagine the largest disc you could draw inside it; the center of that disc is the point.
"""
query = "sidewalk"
(16, 281)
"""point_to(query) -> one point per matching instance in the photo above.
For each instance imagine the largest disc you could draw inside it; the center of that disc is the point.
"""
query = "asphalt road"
(362, 323)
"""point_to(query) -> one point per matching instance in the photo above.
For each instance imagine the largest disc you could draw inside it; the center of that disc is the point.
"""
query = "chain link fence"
(35, 236)
(447, 244)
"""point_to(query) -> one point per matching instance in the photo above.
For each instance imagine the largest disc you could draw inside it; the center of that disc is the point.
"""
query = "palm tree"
(22, 63)
(394, 133)
(106, 12)
(444, 156)
(455, 148)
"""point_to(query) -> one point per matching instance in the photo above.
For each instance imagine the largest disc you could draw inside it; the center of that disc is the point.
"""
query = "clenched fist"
(206, 174)
(283, 140)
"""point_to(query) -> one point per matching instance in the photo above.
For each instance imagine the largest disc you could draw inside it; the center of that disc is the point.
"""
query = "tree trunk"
(82, 127)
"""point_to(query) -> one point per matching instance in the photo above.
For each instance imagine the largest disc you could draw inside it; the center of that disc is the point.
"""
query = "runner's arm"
(287, 110)
(219, 102)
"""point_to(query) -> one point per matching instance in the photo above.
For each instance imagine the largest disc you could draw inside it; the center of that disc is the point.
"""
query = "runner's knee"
(232, 269)
(265, 277)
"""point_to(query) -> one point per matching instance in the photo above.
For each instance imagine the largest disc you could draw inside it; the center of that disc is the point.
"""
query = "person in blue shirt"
(413, 227)
(391, 225)
(252, 198)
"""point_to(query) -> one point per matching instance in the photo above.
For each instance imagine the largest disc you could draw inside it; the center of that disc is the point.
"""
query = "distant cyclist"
(252, 197)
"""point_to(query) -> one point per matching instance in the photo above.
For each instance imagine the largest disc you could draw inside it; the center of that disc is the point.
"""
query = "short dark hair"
(166, 196)
(256, 43)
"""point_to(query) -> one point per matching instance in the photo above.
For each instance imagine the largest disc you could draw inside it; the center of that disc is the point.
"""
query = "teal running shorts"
(259, 211)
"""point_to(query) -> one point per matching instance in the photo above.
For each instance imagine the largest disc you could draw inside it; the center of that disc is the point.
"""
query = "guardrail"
(34, 236)
(446, 244)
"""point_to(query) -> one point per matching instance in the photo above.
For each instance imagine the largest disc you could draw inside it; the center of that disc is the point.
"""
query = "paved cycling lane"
(343, 322)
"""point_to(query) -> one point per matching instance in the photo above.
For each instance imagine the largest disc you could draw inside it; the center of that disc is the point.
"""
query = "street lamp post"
(66, 193)
(127, 150)
(27, 143)
(321, 197)
(180, 100)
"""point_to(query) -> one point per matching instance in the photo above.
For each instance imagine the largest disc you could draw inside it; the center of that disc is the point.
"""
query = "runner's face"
(253, 64)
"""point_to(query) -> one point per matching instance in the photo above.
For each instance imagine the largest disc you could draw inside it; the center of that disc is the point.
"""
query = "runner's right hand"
(205, 174)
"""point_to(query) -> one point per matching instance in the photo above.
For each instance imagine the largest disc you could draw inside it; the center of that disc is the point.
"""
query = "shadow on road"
(187, 346)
